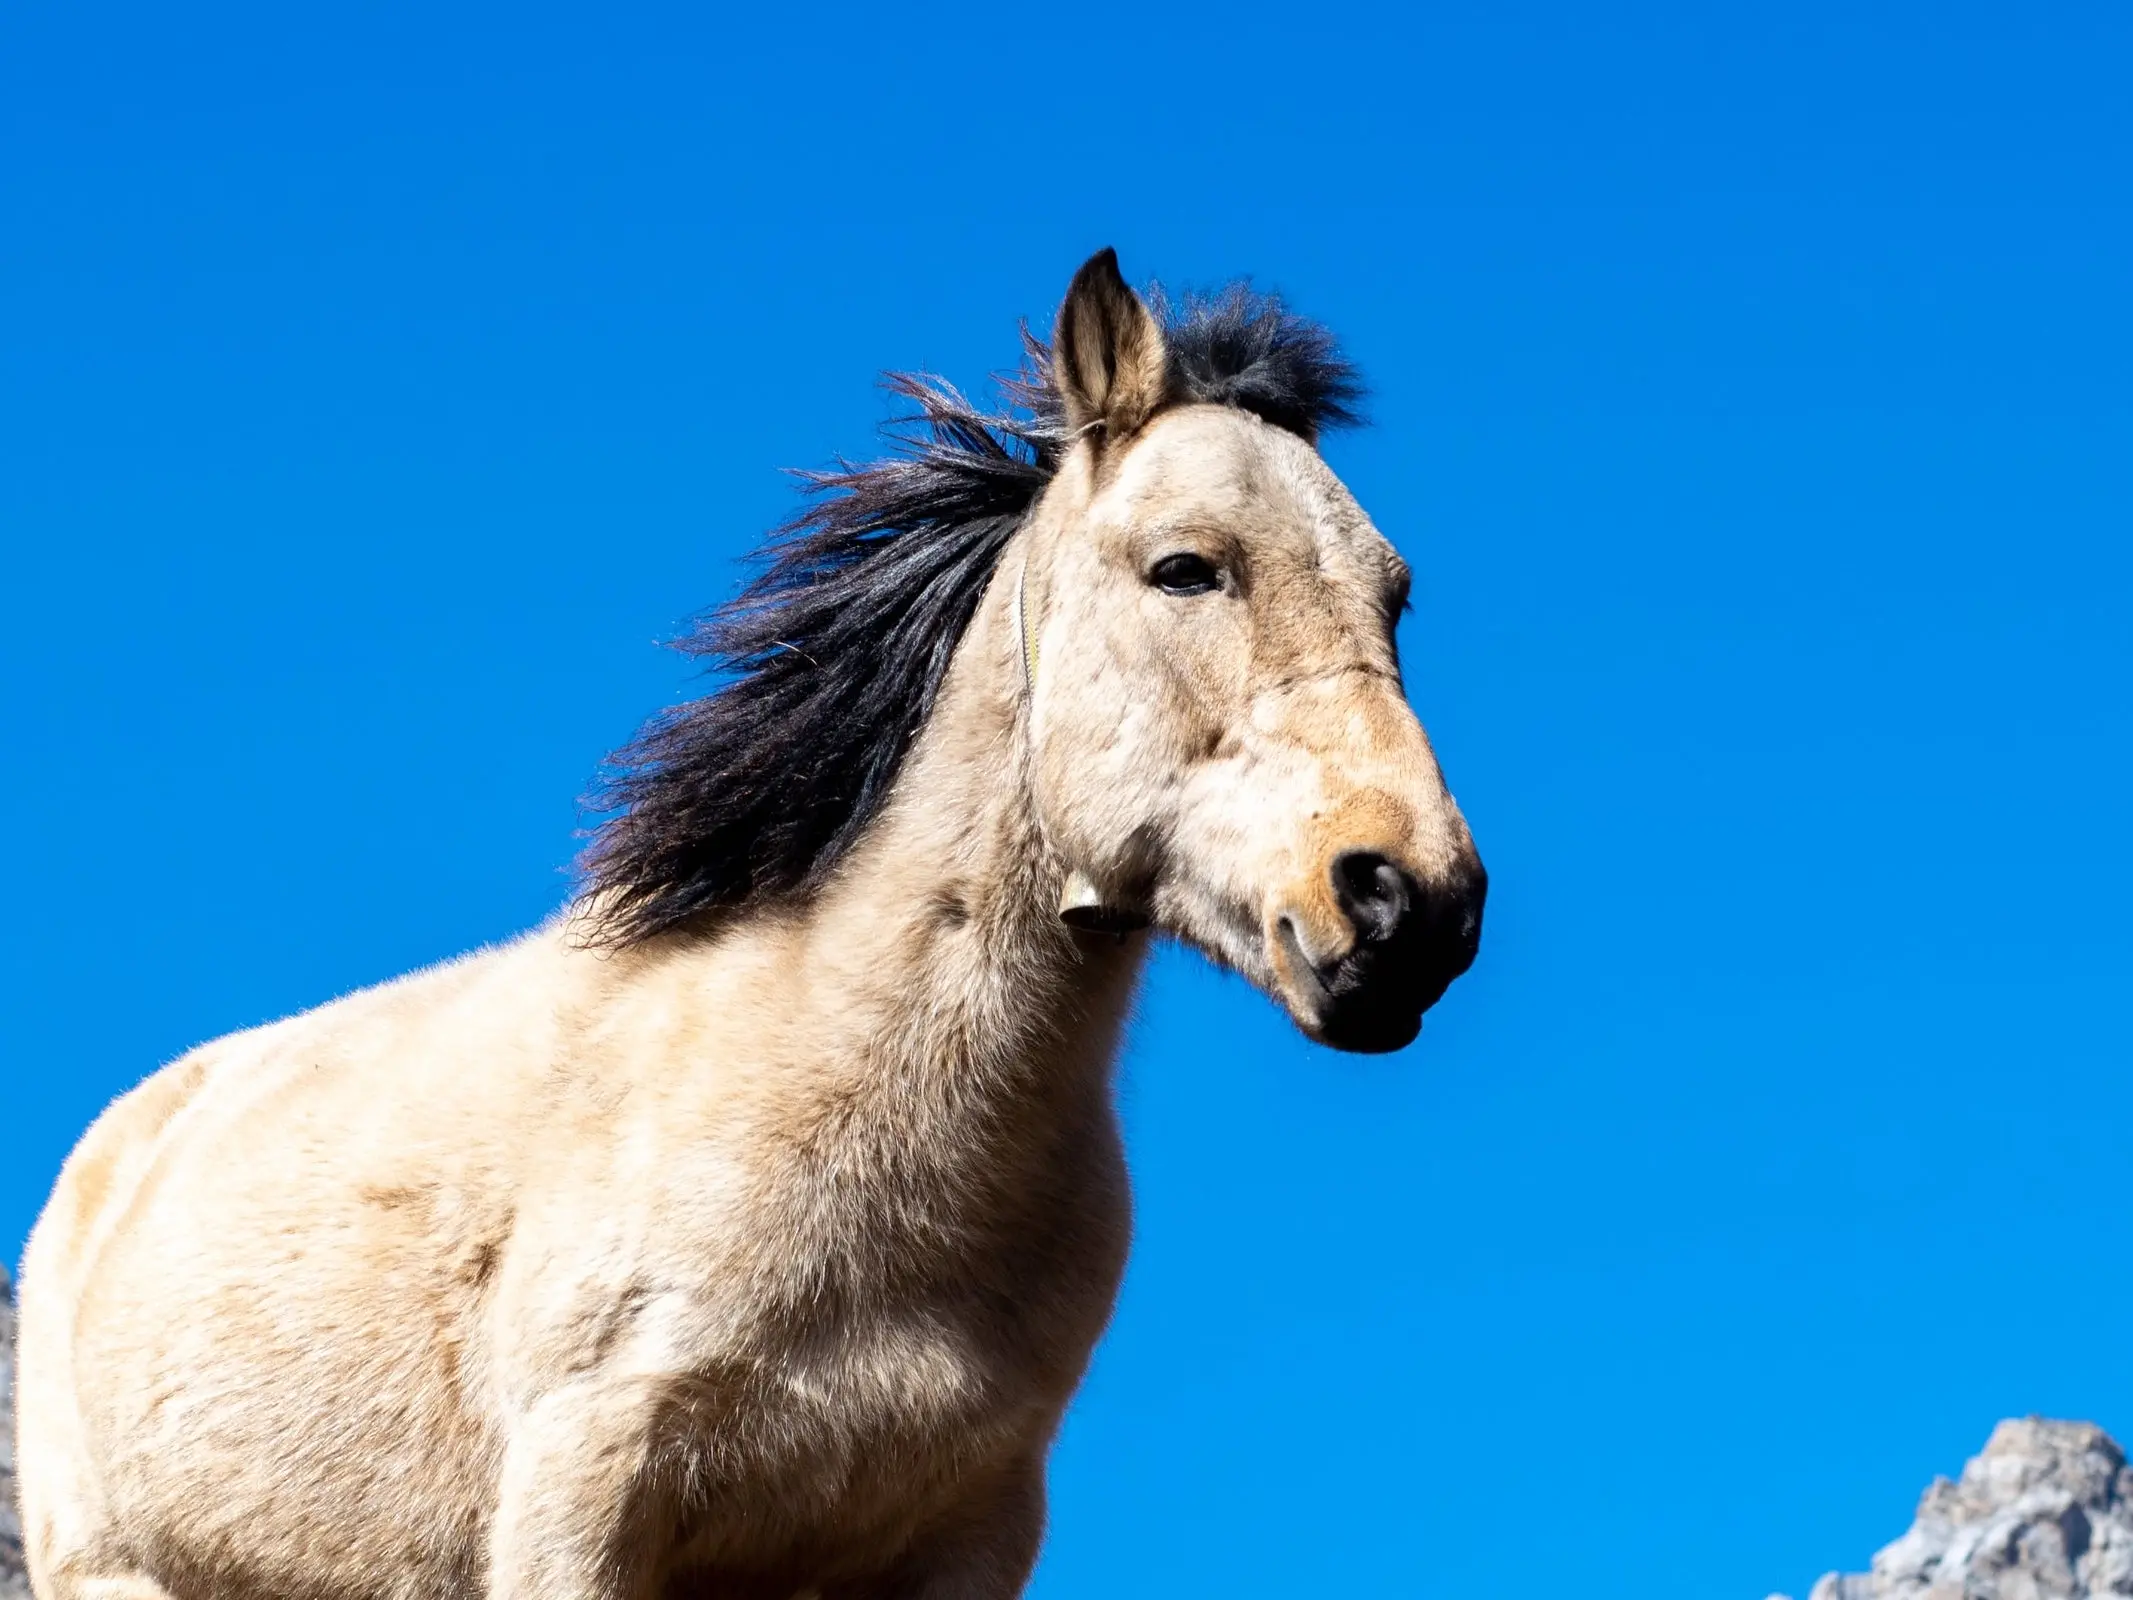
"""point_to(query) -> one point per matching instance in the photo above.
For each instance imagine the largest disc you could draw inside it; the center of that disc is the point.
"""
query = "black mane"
(836, 649)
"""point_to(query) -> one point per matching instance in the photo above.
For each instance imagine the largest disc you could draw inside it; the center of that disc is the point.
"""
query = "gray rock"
(2046, 1513)
(14, 1582)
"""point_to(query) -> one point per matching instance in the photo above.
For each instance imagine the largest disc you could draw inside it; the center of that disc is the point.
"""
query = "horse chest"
(943, 1293)
(915, 1330)
(856, 1426)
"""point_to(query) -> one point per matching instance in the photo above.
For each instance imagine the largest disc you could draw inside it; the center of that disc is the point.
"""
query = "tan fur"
(761, 1262)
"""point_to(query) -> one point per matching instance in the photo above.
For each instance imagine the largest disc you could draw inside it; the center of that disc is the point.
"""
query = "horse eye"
(1185, 573)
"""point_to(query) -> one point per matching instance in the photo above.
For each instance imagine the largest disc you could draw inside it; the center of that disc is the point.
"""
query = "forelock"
(1237, 347)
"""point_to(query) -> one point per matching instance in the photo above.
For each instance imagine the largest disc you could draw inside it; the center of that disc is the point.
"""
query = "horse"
(745, 1230)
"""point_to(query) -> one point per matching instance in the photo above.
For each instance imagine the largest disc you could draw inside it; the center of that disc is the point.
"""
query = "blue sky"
(1752, 402)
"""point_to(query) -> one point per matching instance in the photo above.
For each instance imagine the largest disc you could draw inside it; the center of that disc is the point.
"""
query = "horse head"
(1220, 742)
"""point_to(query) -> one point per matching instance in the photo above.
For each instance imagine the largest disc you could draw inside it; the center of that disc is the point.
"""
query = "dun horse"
(745, 1232)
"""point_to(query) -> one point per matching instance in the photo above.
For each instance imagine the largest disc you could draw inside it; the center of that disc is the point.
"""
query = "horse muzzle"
(1394, 946)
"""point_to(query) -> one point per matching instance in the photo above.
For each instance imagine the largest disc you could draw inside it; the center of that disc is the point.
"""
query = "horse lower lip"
(1307, 974)
(1374, 1002)
(1345, 1020)
(1371, 1034)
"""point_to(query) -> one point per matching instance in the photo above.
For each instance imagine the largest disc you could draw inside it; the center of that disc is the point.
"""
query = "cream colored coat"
(760, 1262)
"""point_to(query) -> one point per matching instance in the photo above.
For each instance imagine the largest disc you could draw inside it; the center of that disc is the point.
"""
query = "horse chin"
(1369, 1020)
(1375, 1032)
(1352, 1031)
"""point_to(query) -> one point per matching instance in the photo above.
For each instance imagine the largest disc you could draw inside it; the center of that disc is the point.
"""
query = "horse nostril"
(1373, 893)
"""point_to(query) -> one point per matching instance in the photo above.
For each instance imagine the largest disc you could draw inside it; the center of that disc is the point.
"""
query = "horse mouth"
(1371, 1029)
(1361, 1003)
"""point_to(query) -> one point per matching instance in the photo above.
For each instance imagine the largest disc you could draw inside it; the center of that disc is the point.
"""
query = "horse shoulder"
(308, 1185)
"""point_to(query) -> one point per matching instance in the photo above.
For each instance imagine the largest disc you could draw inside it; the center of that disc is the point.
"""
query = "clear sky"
(1752, 402)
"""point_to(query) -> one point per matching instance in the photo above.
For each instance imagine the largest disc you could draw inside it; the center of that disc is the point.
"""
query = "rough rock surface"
(14, 1585)
(2046, 1513)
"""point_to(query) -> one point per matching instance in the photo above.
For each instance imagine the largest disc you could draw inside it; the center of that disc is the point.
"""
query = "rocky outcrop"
(2046, 1513)
(14, 1584)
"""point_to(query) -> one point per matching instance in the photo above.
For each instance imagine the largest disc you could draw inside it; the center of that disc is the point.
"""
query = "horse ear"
(1108, 358)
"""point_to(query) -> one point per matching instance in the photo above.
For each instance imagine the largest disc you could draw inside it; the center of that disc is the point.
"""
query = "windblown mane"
(836, 649)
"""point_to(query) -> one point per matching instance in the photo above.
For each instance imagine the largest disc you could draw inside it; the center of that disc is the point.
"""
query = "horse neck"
(937, 951)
